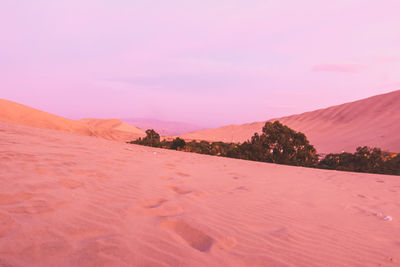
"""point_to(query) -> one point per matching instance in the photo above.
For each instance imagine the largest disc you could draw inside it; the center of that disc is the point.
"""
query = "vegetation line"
(280, 144)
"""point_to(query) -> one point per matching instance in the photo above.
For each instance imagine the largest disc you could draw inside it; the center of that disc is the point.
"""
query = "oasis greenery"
(280, 144)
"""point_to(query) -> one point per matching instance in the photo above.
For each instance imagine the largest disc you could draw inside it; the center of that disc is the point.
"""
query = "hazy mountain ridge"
(164, 128)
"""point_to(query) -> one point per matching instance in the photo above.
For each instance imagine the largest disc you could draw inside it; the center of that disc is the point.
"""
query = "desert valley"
(73, 193)
(199, 133)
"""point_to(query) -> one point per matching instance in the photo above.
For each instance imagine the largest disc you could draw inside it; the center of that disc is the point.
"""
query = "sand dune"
(112, 124)
(374, 121)
(119, 129)
(108, 129)
(69, 200)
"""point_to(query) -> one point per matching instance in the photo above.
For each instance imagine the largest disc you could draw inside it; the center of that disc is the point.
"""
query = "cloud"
(340, 67)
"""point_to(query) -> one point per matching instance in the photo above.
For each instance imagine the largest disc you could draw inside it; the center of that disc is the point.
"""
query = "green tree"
(178, 143)
(280, 144)
(152, 138)
(344, 162)
(392, 166)
(365, 159)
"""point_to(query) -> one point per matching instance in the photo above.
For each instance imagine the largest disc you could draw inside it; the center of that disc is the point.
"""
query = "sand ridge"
(373, 121)
(111, 129)
(69, 200)
(115, 124)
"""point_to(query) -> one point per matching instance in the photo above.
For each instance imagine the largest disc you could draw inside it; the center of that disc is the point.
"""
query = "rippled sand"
(69, 200)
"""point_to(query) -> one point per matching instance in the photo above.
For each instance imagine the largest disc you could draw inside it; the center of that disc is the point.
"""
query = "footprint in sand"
(182, 174)
(170, 166)
(168, 210)
(166, 178)
(237, 189)
(152, 203)
(192, 236)
(159, 207)
(180, 191)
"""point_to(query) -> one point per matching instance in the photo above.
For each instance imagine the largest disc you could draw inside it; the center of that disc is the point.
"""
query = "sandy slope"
(112, 124)
(108, 129)
(374, 121)
(69, 200)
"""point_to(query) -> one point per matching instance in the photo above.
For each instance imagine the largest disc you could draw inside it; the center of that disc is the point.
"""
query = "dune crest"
(374, 121)
(112, 129)
(115, 124)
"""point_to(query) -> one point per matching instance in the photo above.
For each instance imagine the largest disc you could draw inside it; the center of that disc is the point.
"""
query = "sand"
(374, 121)
(111, 129)
(70, 200)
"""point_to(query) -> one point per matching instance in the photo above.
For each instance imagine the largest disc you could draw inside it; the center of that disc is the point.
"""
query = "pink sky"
(205, 62)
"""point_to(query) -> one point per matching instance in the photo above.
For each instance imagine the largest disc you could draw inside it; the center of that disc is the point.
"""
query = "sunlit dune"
(109, 129)
(112, 124)
(70, 200)
(115, 125)
(374, 121)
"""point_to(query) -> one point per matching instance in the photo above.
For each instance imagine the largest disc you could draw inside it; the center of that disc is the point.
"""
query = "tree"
(392, 166)
(178, 143)
(365, 159)
(280, 144)
(152, 138)
(343, 162)
(369, 160)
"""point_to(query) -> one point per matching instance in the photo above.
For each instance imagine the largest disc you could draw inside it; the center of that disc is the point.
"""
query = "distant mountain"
(109, 129)
(164, 128)
(374, 121)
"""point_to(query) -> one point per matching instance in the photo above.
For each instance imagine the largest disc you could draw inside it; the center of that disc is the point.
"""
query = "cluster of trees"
(153, 139)
(280, 144)
(365, 159)
(277, 143)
